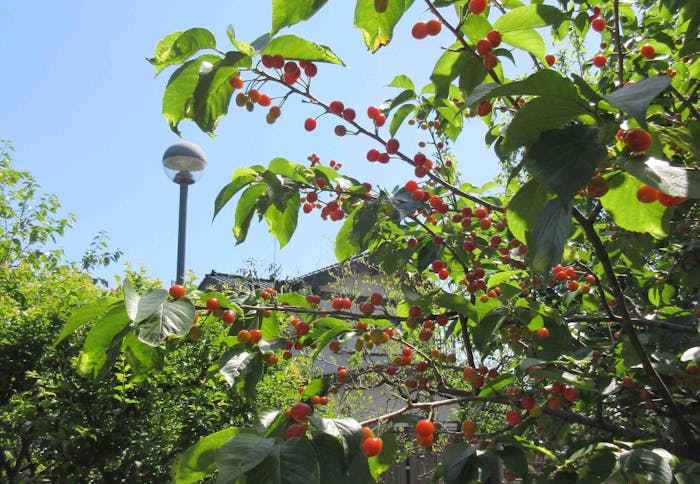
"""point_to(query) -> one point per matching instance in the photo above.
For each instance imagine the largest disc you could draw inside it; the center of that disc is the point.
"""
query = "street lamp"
(184, 164)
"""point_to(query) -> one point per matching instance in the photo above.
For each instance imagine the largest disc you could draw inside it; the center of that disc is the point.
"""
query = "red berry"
(425, 427)
(528, 402)
(513, 417)
(494, 37)
(228, 317)
(349, 115)
(392, 146)
(310, 124)
(236, 82)
(598, 24)
(177, 291)
(490, 61)
(543, 333)
(483, 108)
(647, 194)
(550, 59)
(637, 140)
(213, 304)
(477, 6)
(336, 107)
(376, 298)
(433, 27)
(300, 412)
(572, 286)
(295, 430)
(599, 61)
(484, 47)
(372, 112)
(411, 186)
(372, 447)
(255, 335)
(419, 30)
(243, 336)
(647, 51)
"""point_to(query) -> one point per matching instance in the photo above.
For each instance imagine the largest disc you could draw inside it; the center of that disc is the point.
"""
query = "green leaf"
(545, 82)
(293, 47)
(527, 40)
(292, 462)
(325, 329)
(537, 116)
(131, 300)
(378, 28)
(476, 27)
(353, 237)
(564, 160)
(331, 458)
(177, 47)
(671, 180)
(84, 314)
(645, 466)
(286, 13)
(283, 223)
(318, 386)
(458, 462)
(472, 75)
(402, 82)
(212, 95)
(141, 358)
(487, 327)
(178, 96)
(163, 318)
(645, 218)
(245, 210)
(289, 169)
(241, 453)
(243, 47)
(451, 64)
(548, 236)
(399, 117)
(382, 462)
(634, 99)
(103, 339)
(528, 17)
(241, 178)
(234, 364)
(199, 460)
(514, 458)
(457, 303)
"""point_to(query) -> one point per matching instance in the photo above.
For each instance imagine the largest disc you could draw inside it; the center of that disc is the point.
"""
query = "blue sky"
(83, 110)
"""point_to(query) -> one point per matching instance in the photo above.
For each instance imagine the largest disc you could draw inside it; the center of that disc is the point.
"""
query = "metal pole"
(181, 232)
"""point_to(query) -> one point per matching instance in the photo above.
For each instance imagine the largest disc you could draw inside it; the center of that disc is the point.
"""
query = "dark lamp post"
(184, 164)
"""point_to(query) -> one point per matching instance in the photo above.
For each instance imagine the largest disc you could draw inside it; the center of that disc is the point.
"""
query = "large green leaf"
(528, 17)
(199, 460)
(515, 458)
(241, 178)
(331, 458)
(84, 314)
(178, 96)
(476, 27)
(212, 95)
(525, 207)
(286, 12)
(399, 116)
(234, 364)
(458, 463)
(382, 462)
(353, 236)
(325, 329)
(293, 47)
(634, 99)
(283, 223)
(378, 28)
(564, 160)
(141, 358)
(630, 214)
(549, 234)
(159, 318)
(487, 327)
(644, 465)
(452, 63)
(245, 209)
(177, 47)
(241, 453)
(545, 82)
(537, 116)
(660, 174)
(103, 341)
(292, 462)
(472, 75)
(528, 40)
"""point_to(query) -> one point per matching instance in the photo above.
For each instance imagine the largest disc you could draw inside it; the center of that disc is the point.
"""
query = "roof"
(315, 279)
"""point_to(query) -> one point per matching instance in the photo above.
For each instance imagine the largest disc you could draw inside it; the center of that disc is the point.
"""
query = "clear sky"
(82, 107)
